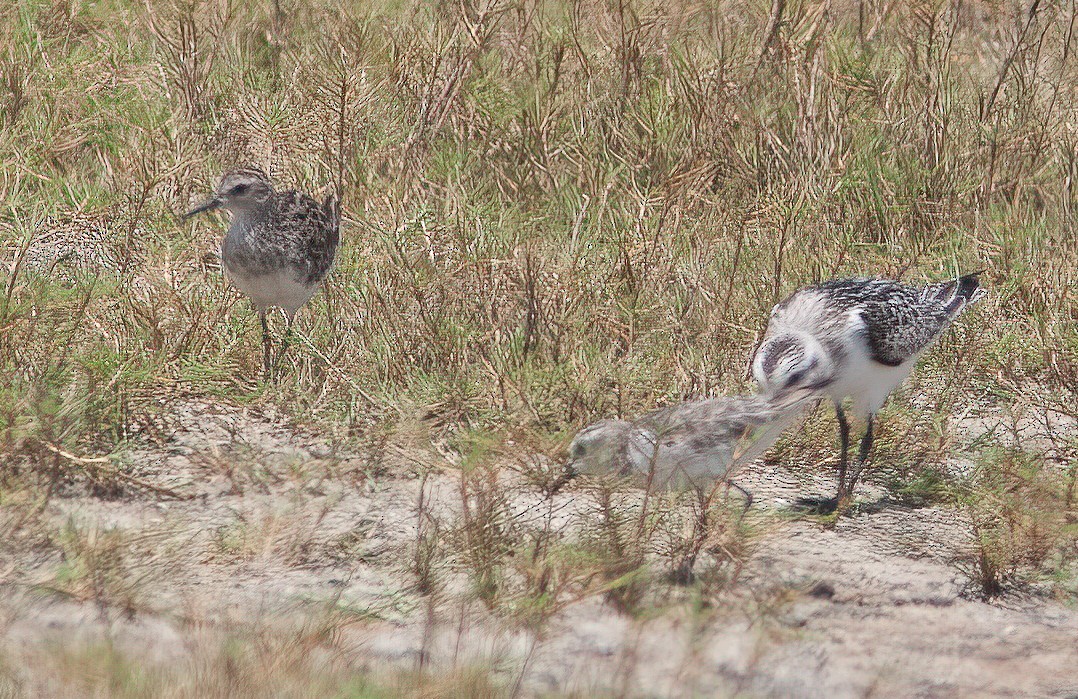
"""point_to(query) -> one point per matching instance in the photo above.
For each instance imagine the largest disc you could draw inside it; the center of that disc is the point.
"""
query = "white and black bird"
(857, 339)
(279, 246)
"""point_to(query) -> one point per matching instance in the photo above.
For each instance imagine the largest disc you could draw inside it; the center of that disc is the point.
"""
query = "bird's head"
(791, 361)
(238, 191)
(611, 447)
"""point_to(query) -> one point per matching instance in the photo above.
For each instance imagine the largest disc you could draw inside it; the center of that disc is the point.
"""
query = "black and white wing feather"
(309, 231)
(900, 320)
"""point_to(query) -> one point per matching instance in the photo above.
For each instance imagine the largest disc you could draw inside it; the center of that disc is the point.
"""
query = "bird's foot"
(683, 574)
(816, 505)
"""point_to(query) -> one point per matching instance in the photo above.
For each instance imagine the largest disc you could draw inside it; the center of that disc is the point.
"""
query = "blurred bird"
(689, 445)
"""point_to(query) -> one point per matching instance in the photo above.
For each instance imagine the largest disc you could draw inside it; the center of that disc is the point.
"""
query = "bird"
(690, 446)
(856, 338)
(279, 247)
(695, 444)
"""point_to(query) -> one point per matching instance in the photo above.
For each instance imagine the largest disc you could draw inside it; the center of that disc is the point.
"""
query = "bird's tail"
(332, 207)
(758, 439)
(955, 295)
(782, 412)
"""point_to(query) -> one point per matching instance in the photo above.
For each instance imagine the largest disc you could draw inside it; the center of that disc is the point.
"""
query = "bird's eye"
(238, 189)
(795, 377)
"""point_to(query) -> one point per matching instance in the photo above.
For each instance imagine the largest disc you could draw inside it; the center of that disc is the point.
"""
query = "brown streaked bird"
(693, 445)
(696, 445)
(278, 248)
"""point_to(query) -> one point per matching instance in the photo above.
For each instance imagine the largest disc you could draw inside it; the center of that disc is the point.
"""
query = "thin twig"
(101, 466)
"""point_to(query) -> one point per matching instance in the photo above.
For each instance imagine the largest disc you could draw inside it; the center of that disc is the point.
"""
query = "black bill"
(211, 203)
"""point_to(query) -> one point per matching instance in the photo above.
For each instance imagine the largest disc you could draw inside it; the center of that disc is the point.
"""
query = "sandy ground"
(275, 522)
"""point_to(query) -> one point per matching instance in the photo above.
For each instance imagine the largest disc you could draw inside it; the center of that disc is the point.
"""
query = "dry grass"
(554, 212)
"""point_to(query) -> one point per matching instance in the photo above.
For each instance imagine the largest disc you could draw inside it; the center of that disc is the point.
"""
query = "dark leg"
(267, 345)
(866, 441)
(748, 498)
(862, 456)
(284, 344)
(844, 449)
(683, 573)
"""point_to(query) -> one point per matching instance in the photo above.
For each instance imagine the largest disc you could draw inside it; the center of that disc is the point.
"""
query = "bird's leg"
(866, 441)
(844, 449)
(748, 498)
(267, 345)
(284, 343)
(862, 456)
(683, 573)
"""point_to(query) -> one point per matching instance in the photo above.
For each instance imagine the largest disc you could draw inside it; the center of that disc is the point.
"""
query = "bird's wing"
(310, 229)
(703, 440)
(901, 321)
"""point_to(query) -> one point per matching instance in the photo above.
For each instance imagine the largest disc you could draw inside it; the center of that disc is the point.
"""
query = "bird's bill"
(795, 395)
(209, 204)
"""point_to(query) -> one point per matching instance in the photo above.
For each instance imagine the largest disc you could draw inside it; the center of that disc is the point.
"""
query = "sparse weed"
(553, 212)
(108, 567)
(290, 534)
(1020, 523)
(261, 659)
(487, 527)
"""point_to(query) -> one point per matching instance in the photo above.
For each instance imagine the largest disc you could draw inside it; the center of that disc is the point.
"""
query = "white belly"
(867, 383)
(280, 288)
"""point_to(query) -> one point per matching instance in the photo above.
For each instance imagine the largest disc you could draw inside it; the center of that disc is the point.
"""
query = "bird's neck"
(247, 217)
